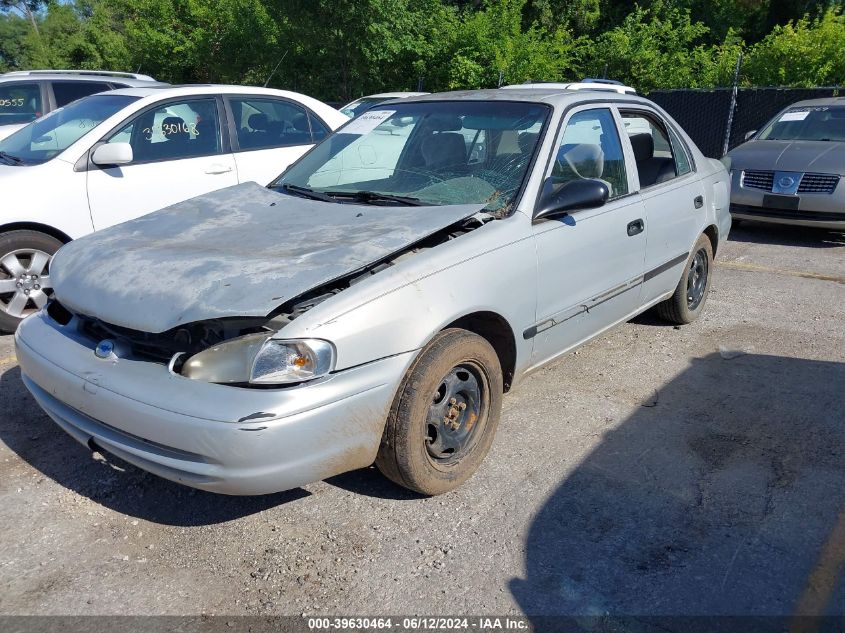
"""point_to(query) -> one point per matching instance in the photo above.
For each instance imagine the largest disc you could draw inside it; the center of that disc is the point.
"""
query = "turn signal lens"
(280, 361)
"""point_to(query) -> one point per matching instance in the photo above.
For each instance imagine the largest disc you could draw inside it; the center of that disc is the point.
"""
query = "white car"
(362, 104)
(115, 156)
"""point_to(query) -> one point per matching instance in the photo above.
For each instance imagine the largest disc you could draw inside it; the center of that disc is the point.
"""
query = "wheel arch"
(496, 330)
(35, 226)
(712, 233)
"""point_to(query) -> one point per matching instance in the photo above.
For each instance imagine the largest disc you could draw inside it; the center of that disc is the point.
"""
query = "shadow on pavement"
(371, 483)
(785, 235)
(111, 482)
(727, 498)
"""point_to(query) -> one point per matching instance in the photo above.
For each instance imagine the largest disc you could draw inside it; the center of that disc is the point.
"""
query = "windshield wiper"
(305, 192)
(11, 160)
(374, 197)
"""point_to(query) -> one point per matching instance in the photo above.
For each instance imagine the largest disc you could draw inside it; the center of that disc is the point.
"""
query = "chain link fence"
(711, 116)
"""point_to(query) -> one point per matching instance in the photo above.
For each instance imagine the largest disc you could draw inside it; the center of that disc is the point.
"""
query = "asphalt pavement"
(656, 471)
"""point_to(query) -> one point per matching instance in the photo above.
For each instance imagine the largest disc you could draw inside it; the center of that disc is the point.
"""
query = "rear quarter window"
(19, 103)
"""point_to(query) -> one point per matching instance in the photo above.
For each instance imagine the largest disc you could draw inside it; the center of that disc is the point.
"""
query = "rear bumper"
(222, 439)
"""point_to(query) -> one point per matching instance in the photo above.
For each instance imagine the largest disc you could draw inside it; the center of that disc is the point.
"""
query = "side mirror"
(749, 134)
(111, 154)
(584, 193)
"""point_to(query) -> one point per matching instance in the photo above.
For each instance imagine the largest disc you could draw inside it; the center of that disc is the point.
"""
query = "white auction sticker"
(795, 116)
(367, 122)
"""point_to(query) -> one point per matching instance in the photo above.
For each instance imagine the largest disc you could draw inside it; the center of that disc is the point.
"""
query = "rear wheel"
(445, 415)
(24, 275)
(690, 295)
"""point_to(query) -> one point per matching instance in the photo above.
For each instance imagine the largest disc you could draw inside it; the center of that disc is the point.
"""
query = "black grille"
(758, 180)
(818, 183)
(150, 346)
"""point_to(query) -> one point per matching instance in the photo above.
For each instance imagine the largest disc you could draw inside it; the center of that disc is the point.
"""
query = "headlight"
(262, 360)
(279, 362)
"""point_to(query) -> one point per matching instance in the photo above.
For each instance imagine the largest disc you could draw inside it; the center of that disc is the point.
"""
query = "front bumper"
(219, 438)
(819, 210)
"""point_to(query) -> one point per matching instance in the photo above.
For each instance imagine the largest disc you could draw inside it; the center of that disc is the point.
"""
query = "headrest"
(585, 159)
(258, 121)
(300, 123)
(643, 145)
(445, 148)
(526, 141)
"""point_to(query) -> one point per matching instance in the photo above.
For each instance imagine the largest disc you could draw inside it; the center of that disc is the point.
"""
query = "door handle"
(636, 227)
(215, 169)
(698, 201)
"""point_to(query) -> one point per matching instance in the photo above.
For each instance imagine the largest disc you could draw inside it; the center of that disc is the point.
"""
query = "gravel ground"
(655, 471)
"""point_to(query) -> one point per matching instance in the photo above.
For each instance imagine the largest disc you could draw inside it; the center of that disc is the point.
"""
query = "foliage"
(808, 52)
(340, 49)
(661, 47)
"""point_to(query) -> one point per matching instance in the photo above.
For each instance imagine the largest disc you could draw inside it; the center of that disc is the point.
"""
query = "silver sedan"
(377, 300)
(791, 172)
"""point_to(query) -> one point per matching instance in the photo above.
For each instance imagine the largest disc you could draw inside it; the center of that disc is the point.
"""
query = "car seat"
(445, 150)
(652, 170)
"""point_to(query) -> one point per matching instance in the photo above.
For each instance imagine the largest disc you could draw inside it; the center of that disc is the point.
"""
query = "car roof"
(392, 95)
(828, 101)
(558, 97)
(130, 79)
(165, 91)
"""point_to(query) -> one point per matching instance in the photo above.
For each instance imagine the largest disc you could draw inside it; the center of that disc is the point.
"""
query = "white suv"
(28, 94)
(117, 155)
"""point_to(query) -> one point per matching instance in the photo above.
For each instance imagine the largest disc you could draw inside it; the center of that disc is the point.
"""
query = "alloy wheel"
(24, 281)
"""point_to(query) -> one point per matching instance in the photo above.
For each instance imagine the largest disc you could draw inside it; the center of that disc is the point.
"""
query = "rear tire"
(445, 414)
(690, 295)
(24, 275)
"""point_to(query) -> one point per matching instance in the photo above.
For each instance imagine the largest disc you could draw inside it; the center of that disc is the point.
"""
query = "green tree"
(662, 47)
(198, 40)
(494, 44)
(807, 52)
(13, 31)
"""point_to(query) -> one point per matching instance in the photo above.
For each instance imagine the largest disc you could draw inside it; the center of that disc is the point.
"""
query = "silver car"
(790, 172)
(376, 302)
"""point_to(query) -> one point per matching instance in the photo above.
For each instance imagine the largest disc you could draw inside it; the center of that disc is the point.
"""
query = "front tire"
(24, 275)
(446, 412)
(690, 295)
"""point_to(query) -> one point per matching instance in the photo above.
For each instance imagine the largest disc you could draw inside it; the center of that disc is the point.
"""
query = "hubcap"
(24, 282)
(454, 413)
(697, 279)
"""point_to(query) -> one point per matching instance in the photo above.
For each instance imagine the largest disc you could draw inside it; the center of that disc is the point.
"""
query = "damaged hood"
(238, 252)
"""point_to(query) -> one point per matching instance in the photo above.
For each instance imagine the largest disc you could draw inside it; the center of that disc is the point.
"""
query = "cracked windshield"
(424, 153)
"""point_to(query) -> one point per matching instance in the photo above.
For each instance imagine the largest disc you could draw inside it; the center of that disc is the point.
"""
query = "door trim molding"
(665, 266)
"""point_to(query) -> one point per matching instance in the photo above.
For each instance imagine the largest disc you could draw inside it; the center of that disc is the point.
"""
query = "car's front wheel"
(690, 295)
(445, 414)
(24, 274)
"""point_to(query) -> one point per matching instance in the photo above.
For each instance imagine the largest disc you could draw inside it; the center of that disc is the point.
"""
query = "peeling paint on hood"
(237, 252)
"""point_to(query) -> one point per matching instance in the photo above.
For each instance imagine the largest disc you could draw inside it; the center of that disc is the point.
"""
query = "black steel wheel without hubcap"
(690, 295)
(697, 279)
(454, 414)
(445, 414)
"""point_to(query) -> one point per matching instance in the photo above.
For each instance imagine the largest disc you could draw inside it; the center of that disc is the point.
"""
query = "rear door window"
(66, 92)
(19, 103)
(269, 123)
(657, 161)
